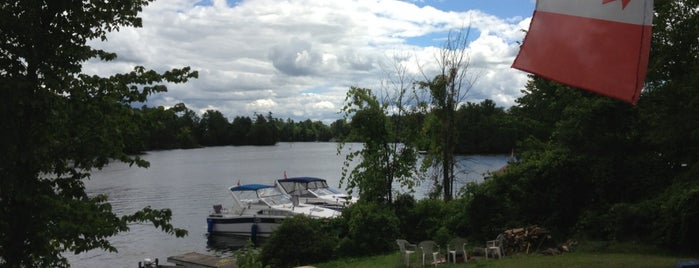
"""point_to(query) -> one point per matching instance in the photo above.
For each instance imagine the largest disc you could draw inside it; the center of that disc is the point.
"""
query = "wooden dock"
(198, 260)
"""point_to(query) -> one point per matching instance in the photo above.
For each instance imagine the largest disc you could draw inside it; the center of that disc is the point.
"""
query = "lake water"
(190, 181)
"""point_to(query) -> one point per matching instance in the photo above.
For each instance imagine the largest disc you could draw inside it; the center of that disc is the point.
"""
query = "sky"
(298, 58)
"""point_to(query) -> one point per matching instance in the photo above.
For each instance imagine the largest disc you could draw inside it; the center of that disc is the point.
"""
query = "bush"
(595, 224)
(486, 211)
(249, 257)
(679, 217)
(668, 220)
(457, 217)
(423, 219)
(404, 207)
(299, 240)
(371, 229)
(429, 217)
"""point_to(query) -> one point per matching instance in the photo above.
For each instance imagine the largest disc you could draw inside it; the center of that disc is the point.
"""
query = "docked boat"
(258, 210)
(315, 191)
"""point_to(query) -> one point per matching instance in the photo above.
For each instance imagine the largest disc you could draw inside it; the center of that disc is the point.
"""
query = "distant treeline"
(483, 128)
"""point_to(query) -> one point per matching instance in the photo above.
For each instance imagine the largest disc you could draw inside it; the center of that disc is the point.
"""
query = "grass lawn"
(591, 255)
(575, 259)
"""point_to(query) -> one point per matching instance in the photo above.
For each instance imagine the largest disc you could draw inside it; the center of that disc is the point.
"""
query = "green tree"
(215, 129)
(379, 121)
(304, 131)
(186, 126)
(60, 124)
(605, 168)
(286, 130)
(447, 89)
(263, 132)
(671, 98)
(322, 131)
(586, 149)
(339, 129)
(160, 128)
(480, 129)
(669, 109)
(239, 130)
(382, 159)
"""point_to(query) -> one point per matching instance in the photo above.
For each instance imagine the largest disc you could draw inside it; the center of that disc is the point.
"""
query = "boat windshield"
(277, 200)
(247, 196)
(271, 195)
(325, 191)
(317, 185)
(266, 192)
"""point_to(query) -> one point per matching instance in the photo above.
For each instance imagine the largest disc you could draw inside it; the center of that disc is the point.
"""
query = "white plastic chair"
(405, 252)
(495, 246)
(428, 249)
(455, 246)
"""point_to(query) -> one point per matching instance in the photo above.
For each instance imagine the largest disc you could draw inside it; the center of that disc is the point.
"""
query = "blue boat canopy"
(301, 179)
(250, 187)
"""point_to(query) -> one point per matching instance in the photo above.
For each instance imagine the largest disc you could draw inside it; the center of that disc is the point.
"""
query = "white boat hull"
(244, 225)
(258, 210)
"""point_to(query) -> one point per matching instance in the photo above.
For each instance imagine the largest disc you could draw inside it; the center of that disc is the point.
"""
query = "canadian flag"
(598, 45)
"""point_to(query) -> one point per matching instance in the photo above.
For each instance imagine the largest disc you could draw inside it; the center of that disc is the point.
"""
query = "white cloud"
(261, 105)
(267, 55)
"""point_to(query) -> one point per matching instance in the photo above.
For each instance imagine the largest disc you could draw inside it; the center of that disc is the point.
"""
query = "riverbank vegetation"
(484, 129)
(365, 237)
(588, 168)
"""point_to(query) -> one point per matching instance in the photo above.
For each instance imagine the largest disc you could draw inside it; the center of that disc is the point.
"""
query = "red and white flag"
(598, 45)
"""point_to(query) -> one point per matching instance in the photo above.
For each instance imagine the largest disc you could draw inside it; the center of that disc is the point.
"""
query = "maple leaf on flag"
(624, 3)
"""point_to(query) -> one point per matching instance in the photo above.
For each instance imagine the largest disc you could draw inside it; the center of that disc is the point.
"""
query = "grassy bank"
(590, 255)
(575, 259)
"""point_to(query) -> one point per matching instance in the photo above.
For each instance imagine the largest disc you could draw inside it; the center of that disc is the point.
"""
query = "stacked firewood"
(525, 240)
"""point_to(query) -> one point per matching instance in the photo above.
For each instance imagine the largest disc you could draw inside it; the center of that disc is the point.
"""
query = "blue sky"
(500, 8)
(298, 58)
(514, 9)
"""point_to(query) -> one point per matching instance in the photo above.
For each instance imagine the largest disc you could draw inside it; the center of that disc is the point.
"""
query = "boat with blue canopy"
(257, 210)
(315, 191)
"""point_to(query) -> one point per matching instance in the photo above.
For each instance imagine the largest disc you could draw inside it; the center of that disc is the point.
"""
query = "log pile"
(525, 240)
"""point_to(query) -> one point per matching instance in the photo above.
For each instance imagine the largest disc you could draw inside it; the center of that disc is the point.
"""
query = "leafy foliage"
(249, 257)
(60, 124)
(161, 128)
(587, 165)
(600, 168)
(485, 128)
(431, 219)
(371, 229)
(404, 207)
(383, 159)
(299, 240)
(447, 89)
(180, 127)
